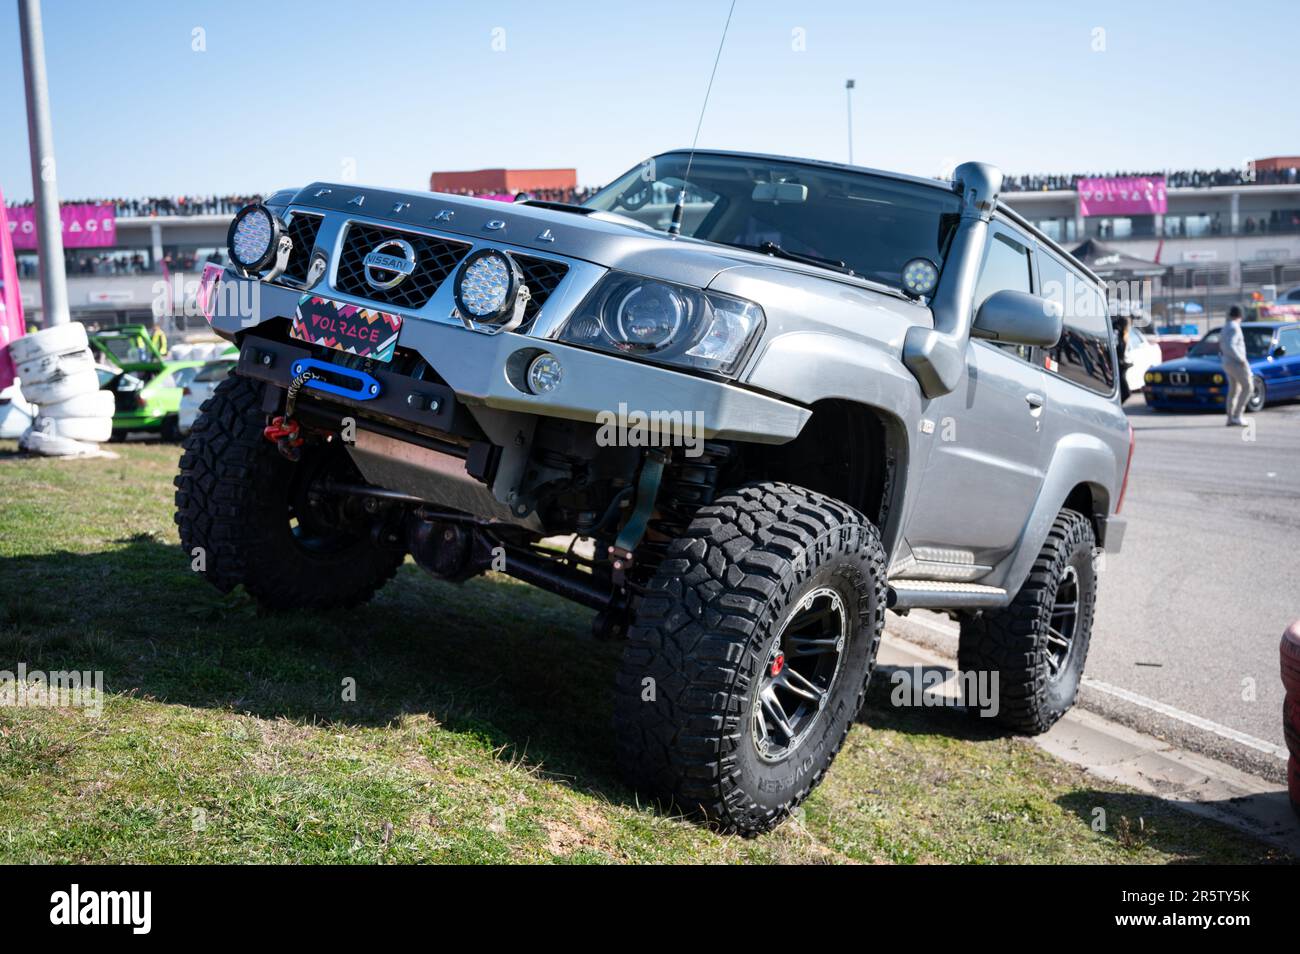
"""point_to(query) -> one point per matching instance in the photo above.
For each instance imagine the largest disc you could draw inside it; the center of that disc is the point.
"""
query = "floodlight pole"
(848, 95)
(40, 136)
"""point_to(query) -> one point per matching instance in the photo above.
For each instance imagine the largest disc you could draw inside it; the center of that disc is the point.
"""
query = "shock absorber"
(689, 483)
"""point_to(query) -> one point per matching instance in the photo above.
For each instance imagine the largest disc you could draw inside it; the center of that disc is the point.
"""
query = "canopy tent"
(1109, 262)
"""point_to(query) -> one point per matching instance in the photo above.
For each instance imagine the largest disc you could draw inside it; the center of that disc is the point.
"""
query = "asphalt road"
(1191, 611)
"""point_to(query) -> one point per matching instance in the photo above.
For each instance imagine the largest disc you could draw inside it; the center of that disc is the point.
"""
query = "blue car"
(1196, 381)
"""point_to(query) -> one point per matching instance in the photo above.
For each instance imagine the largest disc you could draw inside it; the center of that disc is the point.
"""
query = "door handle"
(1034, 400)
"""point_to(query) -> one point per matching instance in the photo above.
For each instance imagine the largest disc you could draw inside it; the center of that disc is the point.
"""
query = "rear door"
(1289, 340)
(987, 459)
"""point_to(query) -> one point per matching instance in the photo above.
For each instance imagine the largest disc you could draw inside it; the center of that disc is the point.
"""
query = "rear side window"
(1083, 354)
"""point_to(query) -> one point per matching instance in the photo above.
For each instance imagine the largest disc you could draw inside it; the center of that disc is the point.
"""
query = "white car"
(200, 389)
(1143, 352)
(15, 413)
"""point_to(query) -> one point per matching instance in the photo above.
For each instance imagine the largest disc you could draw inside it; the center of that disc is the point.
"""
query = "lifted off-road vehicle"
(772, 397)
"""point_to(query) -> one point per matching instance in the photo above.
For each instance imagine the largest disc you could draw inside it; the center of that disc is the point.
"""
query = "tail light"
(140, 401)
(186, 392)
(1128, 465)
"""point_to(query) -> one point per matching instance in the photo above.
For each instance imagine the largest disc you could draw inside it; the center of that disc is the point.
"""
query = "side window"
(1083, 354)
(1006, 265)
(1290, 339)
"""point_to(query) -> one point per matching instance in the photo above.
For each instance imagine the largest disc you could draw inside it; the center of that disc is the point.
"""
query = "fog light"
(545, 374)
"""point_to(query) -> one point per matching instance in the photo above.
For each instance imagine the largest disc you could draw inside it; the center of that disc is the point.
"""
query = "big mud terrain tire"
(1038, 644)
(241, 501)
(749, 655)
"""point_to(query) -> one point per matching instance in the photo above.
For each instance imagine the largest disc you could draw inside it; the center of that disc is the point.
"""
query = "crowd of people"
(1176, 179)
(575, 196)
(165, 205)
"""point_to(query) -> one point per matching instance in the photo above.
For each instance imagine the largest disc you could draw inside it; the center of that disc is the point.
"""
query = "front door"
(987, 456)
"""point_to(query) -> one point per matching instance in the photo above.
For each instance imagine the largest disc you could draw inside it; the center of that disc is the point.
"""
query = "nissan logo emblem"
(394, 257)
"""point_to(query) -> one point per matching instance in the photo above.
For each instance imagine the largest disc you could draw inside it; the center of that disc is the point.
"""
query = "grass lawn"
(479, 731)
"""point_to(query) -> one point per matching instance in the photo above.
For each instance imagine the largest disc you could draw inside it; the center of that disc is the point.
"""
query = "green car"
(147, 387)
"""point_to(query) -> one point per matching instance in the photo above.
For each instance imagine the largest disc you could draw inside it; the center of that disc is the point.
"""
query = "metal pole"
(848, 95)
(40, 135)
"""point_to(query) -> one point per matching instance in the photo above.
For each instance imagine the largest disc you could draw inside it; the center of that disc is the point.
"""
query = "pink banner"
(11, 302)
(1122, 195)
(84, 226)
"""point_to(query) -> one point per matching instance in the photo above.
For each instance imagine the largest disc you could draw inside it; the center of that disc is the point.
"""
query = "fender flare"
(1077, 459)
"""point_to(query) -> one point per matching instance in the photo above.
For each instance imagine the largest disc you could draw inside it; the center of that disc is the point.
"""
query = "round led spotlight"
(920, 275)
(253, 238)
(487, 284)
(545, 373)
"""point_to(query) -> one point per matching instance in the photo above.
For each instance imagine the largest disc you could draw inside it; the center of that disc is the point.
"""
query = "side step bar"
(937, 594)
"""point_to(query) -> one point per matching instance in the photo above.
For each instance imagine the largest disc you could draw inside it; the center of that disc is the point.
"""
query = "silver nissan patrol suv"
(765, 398)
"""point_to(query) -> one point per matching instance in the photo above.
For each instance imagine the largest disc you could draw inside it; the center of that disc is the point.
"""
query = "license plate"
(350, 328)
(1179, 392)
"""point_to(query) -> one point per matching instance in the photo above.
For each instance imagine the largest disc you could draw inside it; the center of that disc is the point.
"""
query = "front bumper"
(595, 386)
(1200, 399)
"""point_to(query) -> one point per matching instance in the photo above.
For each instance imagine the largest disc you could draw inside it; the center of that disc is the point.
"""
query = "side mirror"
(1016, 317)
(1279, 351)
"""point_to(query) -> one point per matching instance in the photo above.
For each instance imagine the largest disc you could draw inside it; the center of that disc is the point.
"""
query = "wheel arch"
(1079, 477)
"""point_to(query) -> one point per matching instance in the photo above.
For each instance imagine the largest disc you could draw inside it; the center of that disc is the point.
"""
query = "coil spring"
(688, 484)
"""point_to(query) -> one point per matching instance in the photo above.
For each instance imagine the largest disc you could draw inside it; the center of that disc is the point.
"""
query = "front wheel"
(249, 516)
(749, 655)
(1036, 647)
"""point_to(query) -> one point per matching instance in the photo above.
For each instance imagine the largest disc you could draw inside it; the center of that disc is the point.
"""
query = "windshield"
(1257, 342)
(873, 224)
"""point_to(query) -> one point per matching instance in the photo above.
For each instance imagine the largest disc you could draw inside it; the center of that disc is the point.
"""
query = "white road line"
(1144, 702)
(1173, 713)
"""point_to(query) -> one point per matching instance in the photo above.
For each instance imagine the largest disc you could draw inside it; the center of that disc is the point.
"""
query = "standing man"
(1232, 349)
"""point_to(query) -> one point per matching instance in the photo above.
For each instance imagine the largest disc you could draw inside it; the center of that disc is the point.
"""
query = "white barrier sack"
(62, 388)
(90, 429)
(57, 340)
(49, 366)
(92, 404)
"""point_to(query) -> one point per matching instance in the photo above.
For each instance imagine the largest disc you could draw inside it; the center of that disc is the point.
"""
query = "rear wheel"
(260, 520)
(1037, 646)
(749, 655)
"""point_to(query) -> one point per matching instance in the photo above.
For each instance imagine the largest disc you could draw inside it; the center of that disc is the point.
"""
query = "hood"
(602, 238)
(1190, 364)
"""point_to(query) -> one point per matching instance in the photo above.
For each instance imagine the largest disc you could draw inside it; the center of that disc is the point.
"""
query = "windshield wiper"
(771, 248)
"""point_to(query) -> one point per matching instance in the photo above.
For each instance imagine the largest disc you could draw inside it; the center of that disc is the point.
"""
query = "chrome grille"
(435, 260)
(302, 230)
(541, 275)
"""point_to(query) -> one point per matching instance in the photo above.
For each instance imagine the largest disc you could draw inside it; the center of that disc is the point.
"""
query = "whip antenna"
(675, 226)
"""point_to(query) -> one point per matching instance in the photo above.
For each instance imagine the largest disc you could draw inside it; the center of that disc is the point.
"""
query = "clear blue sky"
(289, 91)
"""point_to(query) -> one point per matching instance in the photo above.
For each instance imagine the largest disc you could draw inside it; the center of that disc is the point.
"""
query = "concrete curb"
(1198, 784)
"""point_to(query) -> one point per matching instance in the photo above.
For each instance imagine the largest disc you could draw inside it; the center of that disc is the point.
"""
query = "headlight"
(253, 237)
(489, 291)
(1158, 377)
(1149, 378)
(663, 322)
(1218, 379)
